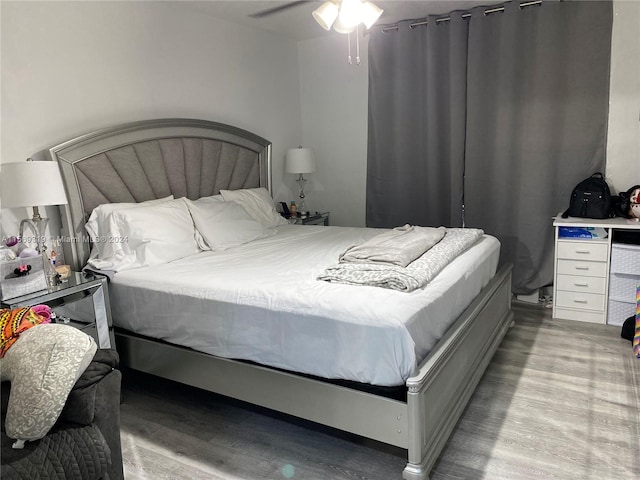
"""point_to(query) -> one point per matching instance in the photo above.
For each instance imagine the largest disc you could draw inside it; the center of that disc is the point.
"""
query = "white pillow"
(98, 224)
(149, 235)
(225, 224)
(258, 203)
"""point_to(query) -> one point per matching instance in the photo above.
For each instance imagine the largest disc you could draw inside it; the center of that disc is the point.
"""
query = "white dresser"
(581, 269)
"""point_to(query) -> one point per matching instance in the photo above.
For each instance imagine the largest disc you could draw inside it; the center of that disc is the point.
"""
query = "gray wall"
(334, 123)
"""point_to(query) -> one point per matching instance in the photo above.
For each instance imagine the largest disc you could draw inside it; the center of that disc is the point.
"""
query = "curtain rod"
(386, 28)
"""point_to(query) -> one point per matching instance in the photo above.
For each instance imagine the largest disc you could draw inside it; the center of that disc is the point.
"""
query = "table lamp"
(35, 184)
(300, 160)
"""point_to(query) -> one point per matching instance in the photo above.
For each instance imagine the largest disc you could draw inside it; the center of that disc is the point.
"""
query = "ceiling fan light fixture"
(326, 14)
(339, 27)
(350, 13)
(370, 13)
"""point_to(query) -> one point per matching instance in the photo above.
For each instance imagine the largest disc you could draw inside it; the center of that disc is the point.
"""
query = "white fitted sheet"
(261, 302)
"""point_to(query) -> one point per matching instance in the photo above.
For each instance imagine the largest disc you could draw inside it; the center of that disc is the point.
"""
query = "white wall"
(334, 122)
(623, 143)
(73, 67)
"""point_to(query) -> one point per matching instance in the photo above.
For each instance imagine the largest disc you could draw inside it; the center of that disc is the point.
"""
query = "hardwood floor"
(560, 400)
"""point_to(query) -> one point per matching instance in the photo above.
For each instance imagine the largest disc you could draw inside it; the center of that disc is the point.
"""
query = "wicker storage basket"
(625, 258)
(623, 287)
(618, 311)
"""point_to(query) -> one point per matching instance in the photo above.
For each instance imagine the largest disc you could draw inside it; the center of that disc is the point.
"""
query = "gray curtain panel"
(537, 109)
(502, 113)
(417, 90)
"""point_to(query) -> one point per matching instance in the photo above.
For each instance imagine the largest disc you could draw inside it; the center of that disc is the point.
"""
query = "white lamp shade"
(31, 184)
(326, 14)
(370, 14)
(300, 160)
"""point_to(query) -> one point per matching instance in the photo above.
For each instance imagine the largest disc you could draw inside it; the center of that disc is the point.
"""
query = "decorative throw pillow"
(42, 366)
(258, 203)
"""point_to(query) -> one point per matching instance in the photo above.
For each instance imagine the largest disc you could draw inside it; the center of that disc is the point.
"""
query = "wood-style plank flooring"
(560, 400)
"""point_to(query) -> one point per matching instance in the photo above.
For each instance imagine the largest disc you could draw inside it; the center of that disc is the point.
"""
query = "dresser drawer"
(584, 269)
(583, 301)
(583, 284)
(592, 251)
(579, 315)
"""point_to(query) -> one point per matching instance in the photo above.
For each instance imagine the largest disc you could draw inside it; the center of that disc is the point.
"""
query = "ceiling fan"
(343, 15)
(281, 8)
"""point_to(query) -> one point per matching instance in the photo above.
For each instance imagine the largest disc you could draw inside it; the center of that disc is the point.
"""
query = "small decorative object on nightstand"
(82, 302)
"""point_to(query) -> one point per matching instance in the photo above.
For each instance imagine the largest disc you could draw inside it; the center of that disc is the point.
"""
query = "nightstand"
(81, 301)
(313, 219)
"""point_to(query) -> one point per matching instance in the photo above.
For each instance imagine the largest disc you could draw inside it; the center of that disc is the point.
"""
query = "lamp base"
(38, 226)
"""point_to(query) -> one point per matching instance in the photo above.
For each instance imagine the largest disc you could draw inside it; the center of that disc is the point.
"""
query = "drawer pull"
(586, 252)
(581, 284)
(580, 267)
(580, 301)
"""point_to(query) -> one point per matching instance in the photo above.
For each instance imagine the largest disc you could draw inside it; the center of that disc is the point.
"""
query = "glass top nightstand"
(82, 302)
(313, 219)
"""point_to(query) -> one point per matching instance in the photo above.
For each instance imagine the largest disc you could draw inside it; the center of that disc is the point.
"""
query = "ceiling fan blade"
(281, 8)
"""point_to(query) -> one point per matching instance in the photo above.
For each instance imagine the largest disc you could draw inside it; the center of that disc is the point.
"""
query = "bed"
(469, 302)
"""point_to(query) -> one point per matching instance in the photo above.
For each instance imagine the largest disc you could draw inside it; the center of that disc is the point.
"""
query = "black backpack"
(591, 198)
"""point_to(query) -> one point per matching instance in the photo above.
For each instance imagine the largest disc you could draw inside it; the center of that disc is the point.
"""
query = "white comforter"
(262, 302)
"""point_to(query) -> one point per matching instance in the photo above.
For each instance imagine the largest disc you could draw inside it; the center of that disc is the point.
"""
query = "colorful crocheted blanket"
(13, 322)
(636, 338)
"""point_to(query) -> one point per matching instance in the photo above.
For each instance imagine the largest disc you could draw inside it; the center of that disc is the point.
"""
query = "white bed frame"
(436, 395)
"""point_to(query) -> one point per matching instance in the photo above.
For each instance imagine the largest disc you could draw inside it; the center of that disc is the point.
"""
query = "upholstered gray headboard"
(152, 159)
